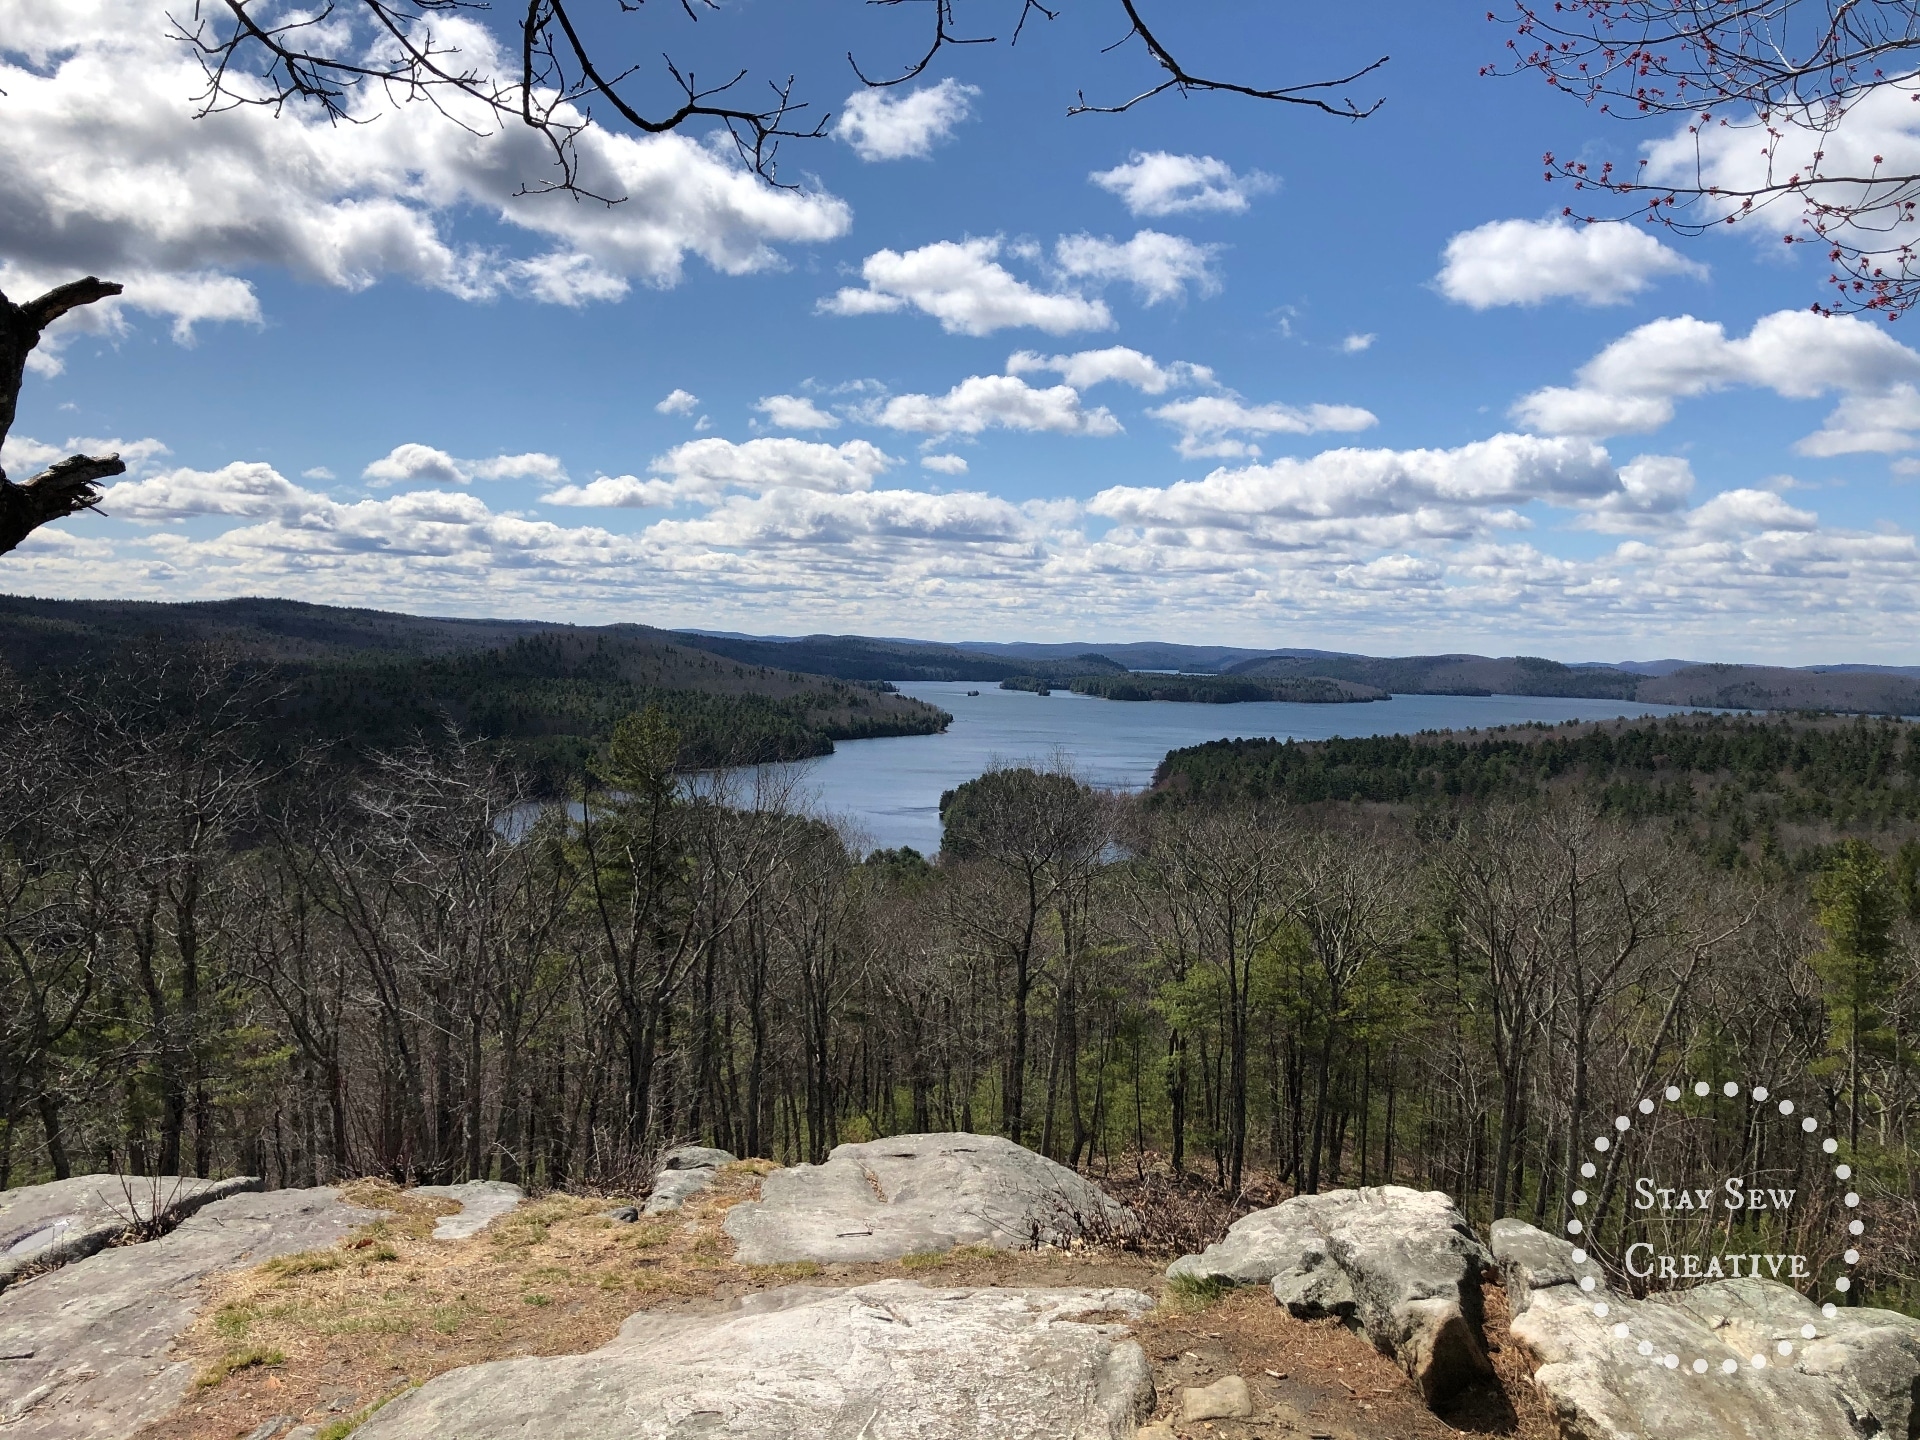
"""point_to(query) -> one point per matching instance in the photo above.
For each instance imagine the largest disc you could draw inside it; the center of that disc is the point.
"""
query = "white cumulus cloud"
(179, 208)
(1633, 384)
(415, 464)
(1156, 183)
(1525, 262)
(982, 402)
(244, 488)
(796, 412)
(1653, 492)
(1116, 362)
(1209, 423)
(1434, 487)
(795, 518)
(678, 402)
(944, 464)
(1379, 545)
(961, 284)
(885, 125)
(1158, 266)
(705, 469)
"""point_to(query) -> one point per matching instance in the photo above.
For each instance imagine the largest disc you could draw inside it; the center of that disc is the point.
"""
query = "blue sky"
(1277, 379)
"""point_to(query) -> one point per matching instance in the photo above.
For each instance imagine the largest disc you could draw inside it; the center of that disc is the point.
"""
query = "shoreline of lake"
(889, 789)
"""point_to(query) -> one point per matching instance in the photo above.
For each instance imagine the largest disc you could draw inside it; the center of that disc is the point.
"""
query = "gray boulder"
(1855, 1376)
(913, 1194)
(95, 1335)
(481, 1203)
(1402, 1264)
(685, 1172)
(1529, 1260)
(886, 1361)
(42, 1226)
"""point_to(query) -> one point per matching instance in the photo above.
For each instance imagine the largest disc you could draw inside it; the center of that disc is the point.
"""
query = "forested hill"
(36, 633)
(1746, 788)
(1751, 687)
(856, 657)
(364, 680)
(39, 633)
(552, 697)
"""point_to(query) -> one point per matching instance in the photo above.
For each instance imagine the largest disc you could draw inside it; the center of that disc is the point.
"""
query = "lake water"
(890, 789)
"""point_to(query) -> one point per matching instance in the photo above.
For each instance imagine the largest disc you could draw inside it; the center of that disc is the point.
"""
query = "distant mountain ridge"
(42, 633)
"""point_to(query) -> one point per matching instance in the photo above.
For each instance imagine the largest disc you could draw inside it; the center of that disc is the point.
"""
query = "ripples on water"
(890, 789)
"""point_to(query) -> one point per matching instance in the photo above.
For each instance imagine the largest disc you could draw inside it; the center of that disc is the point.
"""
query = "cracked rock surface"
(914, 1194)
(66, 1220)
(893, 1360)
(96, 1334)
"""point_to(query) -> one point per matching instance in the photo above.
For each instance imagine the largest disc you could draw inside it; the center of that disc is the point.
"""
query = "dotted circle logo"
(1591, 1276)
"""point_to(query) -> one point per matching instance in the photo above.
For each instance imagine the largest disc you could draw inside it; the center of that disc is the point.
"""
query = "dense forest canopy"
(1441, 959)
(1748, 789)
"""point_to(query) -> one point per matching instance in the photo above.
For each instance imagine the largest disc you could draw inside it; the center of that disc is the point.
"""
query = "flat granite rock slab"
(481, 1203)
(97, 1332)
(913, 1194)
(893, 1360)
(1857, 1375)
(66, 1220)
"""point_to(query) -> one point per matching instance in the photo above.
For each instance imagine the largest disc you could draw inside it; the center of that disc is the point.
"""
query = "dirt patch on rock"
(1320, 1378)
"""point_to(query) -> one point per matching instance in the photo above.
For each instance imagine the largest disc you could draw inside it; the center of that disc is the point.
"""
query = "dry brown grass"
(327, 1336)
(392, 1306)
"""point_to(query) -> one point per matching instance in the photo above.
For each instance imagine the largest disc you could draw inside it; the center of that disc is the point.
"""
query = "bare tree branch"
(249, 61)
(1185, 81)
(562, 71)
(1793, 74)
(942, 37)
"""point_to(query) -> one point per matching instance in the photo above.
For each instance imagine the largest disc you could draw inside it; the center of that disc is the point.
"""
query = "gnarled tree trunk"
(69, 486)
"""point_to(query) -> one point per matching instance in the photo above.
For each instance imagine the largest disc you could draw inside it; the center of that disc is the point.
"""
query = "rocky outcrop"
(877, 1362)
(44, 1226)
(684, 1172)
(1529, 1260)
(481, 1203)
(1610, 1377)
(914, 1194)
(87, 1346)
(1402, 1264)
